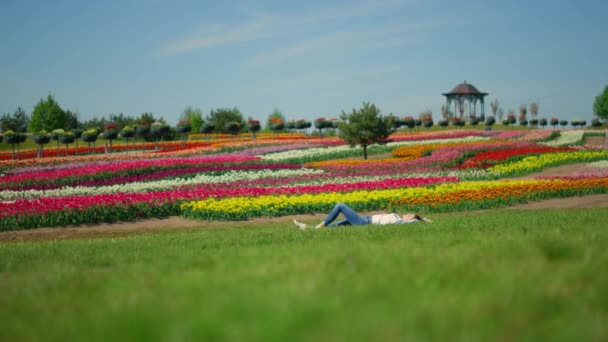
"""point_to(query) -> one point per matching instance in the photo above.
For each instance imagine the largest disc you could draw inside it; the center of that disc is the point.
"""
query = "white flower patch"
(568, 138)
(599, 164)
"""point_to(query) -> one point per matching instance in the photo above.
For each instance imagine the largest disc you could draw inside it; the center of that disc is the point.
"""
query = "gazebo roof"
(465, 89)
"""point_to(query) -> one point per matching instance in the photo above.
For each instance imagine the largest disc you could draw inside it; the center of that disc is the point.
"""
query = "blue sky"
(307, 58)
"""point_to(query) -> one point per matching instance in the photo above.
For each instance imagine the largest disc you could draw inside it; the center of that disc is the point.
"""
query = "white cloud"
(263, 26)
(386, 36)
(219, 36)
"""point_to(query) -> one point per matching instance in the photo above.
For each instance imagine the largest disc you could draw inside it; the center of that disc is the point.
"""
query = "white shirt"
(387, 219)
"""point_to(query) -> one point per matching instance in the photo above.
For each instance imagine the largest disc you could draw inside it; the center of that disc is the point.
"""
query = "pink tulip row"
(437, 135)
(535, 135)
(432, 162)
(509, 134)
(122, 166)
(451, 153)
(146, 177)
(49, 204)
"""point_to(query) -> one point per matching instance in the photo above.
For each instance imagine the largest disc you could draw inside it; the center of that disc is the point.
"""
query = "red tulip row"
(71, 208)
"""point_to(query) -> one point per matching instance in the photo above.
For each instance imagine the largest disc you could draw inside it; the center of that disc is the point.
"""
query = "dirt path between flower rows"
(176, 223)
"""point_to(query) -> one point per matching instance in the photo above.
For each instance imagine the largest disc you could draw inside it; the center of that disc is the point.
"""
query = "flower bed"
(445, 197)
(235, 179)
(44, 211)
(535, 163)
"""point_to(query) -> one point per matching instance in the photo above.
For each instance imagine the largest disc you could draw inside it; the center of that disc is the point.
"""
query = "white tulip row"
(568, 138)
(320, 151)
(160, 185)
(460, 174)
(599, 163)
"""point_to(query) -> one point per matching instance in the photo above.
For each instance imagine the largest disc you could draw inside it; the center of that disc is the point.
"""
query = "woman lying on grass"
(354, 219)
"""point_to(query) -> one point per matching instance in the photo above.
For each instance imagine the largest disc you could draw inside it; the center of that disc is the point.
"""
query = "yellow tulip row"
(444, 194)
(537, 162)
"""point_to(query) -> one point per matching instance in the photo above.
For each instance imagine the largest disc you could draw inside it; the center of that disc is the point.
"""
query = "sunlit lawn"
(508, 275)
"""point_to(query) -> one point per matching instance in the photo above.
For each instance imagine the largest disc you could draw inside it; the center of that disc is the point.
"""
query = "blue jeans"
(352, 218)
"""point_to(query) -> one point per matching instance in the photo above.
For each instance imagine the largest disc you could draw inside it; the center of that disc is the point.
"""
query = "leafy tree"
(426, 118)
(542, 122)
(6, 122)
(77, 134)
(158, 131)
(425, 115)
(458, 122)
(90, 136)
(554, 122)
(233, 127)
(95, 123)
(48, 115)
(409, 122)
(207, 128)
(194, 116)
(147, 119)
(67, 138)
(600, 106)
(122, 120)
(184, 127)
(275, 124)
(14, 138)
(17, 122)
(321, 124)
(55, 134)
(221, 116)
(254, 127)
(393, 121)
(595, 123)
(490, 121)
(143, 131)
(364, 126)
(41, 138)
(276, 114)
(72, 121)
(127, 132)
(290, 125)
(110, 133)
(303, 125)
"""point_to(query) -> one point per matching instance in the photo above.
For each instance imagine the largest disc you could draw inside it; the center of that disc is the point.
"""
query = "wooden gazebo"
(465, 97)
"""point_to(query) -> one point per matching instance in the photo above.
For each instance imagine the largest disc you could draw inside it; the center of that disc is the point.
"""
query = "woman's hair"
(417, 217)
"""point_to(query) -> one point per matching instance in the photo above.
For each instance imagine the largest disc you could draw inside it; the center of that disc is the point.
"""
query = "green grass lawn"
(494, 275)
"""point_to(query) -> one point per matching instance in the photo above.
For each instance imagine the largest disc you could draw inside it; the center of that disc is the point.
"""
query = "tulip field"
(482, 270)
(237, 179)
